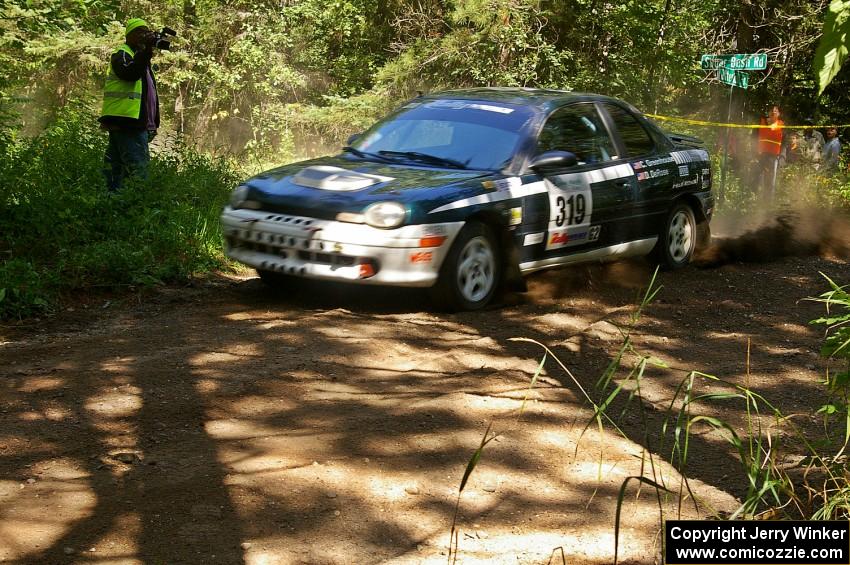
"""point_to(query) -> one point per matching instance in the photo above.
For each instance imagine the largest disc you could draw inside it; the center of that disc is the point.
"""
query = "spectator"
(130, 106)
(831, 151)
(794, 149)
(814, 144)
(770, 150)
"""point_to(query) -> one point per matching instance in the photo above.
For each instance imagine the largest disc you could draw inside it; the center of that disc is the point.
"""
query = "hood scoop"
(334, 178)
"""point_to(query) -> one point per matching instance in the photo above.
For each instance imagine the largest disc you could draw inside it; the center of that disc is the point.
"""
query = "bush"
(61, 230)
(23, 290)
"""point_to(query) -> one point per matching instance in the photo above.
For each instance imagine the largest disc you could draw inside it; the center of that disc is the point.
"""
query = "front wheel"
(471, 271)
(677, 241)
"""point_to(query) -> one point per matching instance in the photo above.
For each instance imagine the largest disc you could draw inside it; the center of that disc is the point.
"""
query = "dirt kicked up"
(222, 424)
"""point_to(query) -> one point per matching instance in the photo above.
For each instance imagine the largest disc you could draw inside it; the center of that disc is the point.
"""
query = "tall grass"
(60, 230)
(815, 486)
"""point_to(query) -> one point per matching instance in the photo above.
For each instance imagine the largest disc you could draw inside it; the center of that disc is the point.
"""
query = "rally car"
(465, 191)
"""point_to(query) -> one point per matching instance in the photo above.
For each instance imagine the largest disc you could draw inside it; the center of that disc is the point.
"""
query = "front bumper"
(323, 249)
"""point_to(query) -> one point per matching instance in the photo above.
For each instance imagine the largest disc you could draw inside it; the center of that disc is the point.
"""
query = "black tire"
(677, 239)
(703, 235)
(274, 279)
(471, 272)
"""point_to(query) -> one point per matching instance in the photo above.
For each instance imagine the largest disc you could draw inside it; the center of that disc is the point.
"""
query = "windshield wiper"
(365, 154)
(424, 158)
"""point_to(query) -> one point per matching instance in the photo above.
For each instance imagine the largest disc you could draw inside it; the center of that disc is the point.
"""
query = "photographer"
(130, 106)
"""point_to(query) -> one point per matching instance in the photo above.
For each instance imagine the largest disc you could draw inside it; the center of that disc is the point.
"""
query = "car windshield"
(467, 134)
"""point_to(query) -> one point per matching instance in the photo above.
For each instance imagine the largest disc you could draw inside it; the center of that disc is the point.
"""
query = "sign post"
(726, 146)
(733, 77)
(729, 69)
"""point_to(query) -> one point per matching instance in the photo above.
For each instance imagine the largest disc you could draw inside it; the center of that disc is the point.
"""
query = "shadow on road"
(328, 423)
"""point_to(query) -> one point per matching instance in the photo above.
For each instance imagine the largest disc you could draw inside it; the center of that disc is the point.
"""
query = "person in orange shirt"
(770, 151)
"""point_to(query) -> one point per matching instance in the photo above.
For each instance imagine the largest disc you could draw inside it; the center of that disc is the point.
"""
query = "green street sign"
(711, 62)
(733, 77)
(738, 62)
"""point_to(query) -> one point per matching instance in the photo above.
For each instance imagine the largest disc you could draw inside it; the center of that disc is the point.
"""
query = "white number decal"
(570, 210)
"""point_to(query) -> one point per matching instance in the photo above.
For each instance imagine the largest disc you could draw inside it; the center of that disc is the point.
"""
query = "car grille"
(286, 247)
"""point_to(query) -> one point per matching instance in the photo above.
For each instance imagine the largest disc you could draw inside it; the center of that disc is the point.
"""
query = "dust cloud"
(569, 282)
(789, 233)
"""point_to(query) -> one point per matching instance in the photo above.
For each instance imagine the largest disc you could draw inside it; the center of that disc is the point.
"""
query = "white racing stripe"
(622, 170)
(608, 173)
(514, 192)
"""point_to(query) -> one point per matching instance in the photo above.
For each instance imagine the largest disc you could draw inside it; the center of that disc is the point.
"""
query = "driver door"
(586, 200)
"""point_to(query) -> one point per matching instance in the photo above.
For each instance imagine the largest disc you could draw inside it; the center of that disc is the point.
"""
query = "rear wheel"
(677, 241)
(471, 271)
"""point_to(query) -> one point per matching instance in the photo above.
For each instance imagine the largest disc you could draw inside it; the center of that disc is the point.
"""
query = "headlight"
(385, 214)
(238, 196)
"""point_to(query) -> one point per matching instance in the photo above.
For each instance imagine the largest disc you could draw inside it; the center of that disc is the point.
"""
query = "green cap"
(133, 23)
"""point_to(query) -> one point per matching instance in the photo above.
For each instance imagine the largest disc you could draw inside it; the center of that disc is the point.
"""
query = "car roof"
(542, 97)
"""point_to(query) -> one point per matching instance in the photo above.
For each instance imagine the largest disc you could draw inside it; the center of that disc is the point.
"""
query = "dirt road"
(221, 424)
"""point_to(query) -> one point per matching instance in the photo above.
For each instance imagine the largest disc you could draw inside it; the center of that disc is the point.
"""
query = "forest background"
(254, 83)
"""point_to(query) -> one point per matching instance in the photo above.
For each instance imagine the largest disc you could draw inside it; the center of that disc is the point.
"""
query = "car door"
(656, 171)
(585, 201)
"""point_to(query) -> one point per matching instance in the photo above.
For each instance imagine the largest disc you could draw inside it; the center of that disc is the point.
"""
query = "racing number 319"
(570, 210)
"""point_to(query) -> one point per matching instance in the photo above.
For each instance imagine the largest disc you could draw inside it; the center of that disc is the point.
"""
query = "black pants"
(768, 173)
(126, 155)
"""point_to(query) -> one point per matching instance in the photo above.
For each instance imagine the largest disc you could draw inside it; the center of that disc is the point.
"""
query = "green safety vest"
(122, 97)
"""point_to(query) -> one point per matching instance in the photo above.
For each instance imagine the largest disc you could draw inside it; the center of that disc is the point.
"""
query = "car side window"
(578, 129)
(635, 138)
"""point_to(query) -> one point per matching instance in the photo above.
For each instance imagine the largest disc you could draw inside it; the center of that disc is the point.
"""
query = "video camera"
(161, 39)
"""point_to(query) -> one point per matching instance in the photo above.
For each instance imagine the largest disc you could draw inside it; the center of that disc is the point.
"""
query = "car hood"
(327, 186)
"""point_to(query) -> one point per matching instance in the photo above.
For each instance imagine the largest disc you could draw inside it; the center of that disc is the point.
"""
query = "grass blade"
(531, 386)
(620, 497)
(473, 461)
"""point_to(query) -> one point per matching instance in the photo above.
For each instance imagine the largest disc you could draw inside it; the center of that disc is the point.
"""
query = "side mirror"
(553, 160)
(353, 137)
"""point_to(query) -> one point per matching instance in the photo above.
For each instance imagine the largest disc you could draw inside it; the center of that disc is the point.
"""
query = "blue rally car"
(467, 190)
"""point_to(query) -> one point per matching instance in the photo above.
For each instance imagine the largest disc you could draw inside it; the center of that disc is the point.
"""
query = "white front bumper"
(323, 249)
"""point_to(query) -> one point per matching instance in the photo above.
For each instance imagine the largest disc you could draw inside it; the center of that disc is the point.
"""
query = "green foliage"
(251, 74)
(831, 498)
(836, 348)
(834, 44)
(344, 38)
(832, 190)
(305, 130)
(486, 42)
(60, 230)
(24, 291)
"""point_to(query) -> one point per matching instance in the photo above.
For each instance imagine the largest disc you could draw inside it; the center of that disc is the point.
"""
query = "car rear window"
(634, 136)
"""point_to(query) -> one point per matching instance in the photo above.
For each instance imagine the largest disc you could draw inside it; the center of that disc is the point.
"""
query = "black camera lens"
(159, 38)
